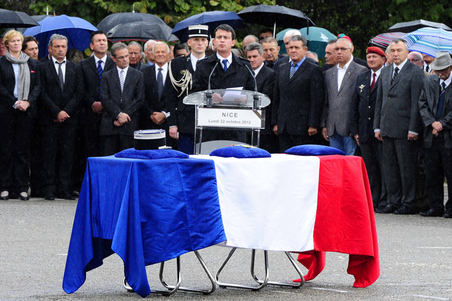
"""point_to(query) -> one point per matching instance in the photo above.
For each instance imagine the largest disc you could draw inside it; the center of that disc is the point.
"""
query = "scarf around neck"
(23, 86)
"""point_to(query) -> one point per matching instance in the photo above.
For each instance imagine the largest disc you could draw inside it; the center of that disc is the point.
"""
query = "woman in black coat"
(19, 91)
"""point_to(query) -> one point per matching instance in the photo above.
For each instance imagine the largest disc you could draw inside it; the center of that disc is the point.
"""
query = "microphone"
(209, 91)
(256, 98)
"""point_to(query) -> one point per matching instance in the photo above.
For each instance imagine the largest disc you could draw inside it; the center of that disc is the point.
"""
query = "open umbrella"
(270, 15)
(429, 40)
(75, 29)
(15, 19)
(112, 20)
(142, 31)
(210, 18)
(318, 38)
(410, 26)
(384, 39)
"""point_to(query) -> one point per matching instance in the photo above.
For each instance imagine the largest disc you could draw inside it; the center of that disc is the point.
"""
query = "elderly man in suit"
(135, 56)
(298, 98)
(62, 85)
(155, 113)
(181, 120)
(340, 90)
(397, 123)
(265, 80)
(122, 96)
(435, 106)
(362, 121)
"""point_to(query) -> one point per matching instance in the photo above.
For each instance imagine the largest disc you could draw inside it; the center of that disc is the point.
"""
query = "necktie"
(60, 74)
(99, 73)
(441, 100)
(225, 65)
(160, 82)
(121, 79)
(292, 70)
(427, 68)
(396, 72)
(373, 82)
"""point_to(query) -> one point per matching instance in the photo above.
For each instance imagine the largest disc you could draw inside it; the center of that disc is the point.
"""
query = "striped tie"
(99, 73)
(292, 70)
(396, 72)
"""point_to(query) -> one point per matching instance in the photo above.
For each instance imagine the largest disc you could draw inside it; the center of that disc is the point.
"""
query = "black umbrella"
(15, 19)
(112, 20)
(270, 15)
(141, 30)
(411, 26)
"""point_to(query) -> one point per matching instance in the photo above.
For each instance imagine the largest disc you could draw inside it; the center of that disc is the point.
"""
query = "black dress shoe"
(448, 214)
(49, 197)
(388, 209)
(405, 210)
(432, 212)
(13, 195)
(66, 196)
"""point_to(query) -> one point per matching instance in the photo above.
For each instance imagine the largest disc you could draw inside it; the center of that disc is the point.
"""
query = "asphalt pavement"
(415, 259)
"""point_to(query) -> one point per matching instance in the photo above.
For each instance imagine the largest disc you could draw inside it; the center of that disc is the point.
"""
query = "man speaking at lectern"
(225, 71)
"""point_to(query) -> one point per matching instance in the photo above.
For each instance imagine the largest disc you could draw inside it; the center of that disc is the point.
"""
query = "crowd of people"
(394, 109)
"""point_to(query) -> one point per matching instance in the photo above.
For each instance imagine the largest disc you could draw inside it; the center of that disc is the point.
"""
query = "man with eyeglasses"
(417, 59)
(397, 123)
(435, 106)
(122, 97)
(340, 89)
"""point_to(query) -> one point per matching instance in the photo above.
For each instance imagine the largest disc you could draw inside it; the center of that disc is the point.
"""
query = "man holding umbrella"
(181, 120)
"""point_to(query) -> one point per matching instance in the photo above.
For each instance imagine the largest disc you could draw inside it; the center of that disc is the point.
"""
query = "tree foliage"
(364, 19)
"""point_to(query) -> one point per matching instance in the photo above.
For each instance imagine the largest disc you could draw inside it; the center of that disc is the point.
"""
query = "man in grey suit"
(340, 90)
(122, 96)
(435, 106)
(397, 123)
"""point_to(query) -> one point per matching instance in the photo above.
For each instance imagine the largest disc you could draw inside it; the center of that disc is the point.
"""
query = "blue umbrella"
(211, 18)
(318, 38)
(75, 29)
(429, 40)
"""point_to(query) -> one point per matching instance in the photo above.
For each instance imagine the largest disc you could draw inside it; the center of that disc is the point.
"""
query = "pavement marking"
(328, 289)
(430, 297)
(284, 292)
(62, 254)
(434, 247)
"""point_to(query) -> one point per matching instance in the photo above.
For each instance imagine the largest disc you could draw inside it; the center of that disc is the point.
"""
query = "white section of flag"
(268, 203)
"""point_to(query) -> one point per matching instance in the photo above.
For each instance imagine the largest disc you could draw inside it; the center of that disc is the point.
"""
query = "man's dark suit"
(139, 66)
(237, 75)
(130, 101)
(361, 123)
(266, 79)
(438, 149)
(58, 138)
(90, 120)
(297, 103)
(397, 113)
(16, 127)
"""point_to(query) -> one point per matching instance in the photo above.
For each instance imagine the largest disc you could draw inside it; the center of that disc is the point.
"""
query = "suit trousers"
(399, 169)
(185, 143)
(372, 153)
(58, 148)
(15, 137)
(287, 141)
(438, 162)
(112, 144)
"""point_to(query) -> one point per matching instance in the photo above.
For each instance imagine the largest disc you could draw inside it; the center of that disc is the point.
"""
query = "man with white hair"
(135, 55)
(148, 51)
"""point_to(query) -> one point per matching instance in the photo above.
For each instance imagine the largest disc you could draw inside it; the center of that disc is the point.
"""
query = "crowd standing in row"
(383, 108)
